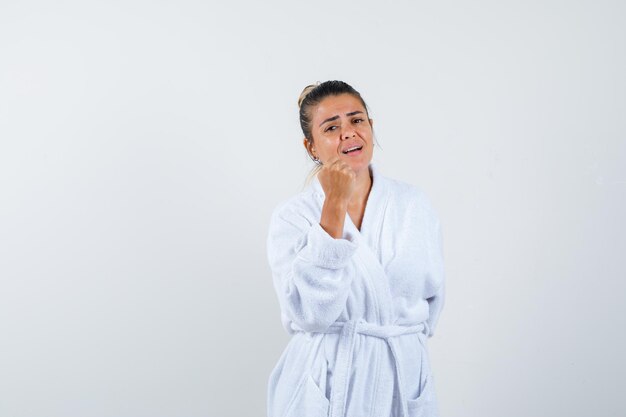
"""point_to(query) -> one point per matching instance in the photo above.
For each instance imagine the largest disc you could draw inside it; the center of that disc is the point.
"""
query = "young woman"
(357, 265)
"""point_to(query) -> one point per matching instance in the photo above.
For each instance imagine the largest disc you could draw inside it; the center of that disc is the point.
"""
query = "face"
(338, 124)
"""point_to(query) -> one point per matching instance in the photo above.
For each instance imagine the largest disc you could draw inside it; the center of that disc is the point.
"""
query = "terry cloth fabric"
(359, 308)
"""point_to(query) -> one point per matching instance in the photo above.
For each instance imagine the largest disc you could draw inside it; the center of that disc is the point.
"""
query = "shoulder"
(296, 209)
(412, 197)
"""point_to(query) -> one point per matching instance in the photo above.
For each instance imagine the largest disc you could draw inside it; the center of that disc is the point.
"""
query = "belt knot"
(345, 352)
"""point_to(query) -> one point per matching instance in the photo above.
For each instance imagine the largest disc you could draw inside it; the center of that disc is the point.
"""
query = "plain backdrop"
(144, 145)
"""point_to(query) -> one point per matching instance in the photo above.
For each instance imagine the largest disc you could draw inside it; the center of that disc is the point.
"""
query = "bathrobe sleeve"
(310, 269)
(435, 281)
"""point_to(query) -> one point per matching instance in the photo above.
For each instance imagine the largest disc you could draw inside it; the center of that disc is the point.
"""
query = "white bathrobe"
(360, 308)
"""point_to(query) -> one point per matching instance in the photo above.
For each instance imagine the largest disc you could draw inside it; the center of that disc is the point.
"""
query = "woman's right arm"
(310, 266)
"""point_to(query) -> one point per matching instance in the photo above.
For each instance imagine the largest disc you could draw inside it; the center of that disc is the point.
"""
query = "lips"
(351, 146)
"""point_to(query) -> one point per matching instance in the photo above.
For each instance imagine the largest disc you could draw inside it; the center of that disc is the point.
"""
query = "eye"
(358, 120)
(329, 128)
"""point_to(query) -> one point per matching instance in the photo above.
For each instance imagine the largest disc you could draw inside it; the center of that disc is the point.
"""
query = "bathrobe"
(359, 308)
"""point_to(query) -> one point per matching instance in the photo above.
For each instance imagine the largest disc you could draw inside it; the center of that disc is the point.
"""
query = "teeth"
(351, 149)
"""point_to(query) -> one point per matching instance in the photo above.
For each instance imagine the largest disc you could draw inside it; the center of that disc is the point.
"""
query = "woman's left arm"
(435, 282)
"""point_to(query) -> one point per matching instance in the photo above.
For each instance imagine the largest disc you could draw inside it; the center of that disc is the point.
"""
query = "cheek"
(328, 147)
(368, 137)
(366, 132)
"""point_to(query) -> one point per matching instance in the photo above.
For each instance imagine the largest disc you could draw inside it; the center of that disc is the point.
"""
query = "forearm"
(311, 269)
(333, 216)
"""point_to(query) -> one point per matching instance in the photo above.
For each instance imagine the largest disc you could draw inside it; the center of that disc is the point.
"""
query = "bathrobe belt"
(343, 364)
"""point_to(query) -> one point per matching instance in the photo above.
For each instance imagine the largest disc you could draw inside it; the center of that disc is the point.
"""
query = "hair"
(311, 97)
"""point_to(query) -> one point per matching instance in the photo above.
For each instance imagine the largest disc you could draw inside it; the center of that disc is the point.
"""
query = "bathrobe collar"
(374, 208)
(368, 253)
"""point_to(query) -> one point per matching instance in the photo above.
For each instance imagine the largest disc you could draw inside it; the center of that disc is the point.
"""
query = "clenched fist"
(338, 180)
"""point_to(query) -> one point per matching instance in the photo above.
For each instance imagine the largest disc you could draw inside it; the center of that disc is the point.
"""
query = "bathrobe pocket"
(425, 405)
(308, 400)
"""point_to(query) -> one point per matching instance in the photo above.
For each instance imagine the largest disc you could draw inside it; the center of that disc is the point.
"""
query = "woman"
(357, 265)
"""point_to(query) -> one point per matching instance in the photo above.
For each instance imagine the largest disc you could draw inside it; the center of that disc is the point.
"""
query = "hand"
(338, 180)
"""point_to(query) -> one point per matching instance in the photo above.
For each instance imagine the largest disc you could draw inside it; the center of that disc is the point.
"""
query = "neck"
(363, 186)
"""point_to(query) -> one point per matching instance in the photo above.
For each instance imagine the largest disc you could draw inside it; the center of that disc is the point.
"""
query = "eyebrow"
(330, 119)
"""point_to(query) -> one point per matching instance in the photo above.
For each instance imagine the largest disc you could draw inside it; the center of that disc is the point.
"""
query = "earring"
(314, 159)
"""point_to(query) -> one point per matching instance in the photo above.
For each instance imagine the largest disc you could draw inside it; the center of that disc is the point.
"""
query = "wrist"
(335, 201)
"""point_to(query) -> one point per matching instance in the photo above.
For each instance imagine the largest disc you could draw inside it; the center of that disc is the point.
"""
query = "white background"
(143, 146)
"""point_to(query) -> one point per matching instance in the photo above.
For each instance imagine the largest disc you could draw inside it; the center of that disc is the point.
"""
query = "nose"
(348, 133)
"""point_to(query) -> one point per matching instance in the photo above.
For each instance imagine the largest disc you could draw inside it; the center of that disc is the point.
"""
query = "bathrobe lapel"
(368, 259)
(368, 238)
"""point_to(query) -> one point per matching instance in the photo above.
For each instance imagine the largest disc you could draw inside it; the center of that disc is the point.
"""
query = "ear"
(309, 147)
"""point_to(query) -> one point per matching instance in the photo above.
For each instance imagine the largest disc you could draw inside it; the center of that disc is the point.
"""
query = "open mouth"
(353, 149)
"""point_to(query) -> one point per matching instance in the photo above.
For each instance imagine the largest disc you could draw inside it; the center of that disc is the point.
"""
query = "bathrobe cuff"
(321, 249)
